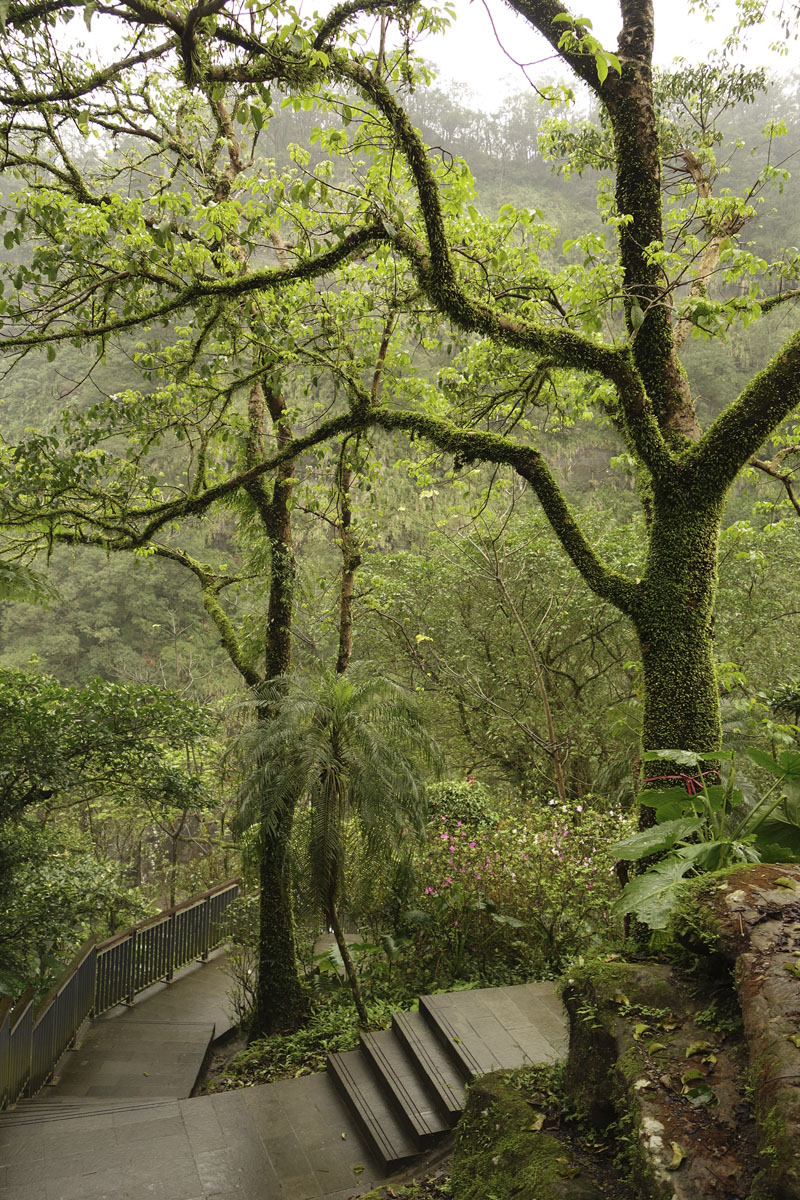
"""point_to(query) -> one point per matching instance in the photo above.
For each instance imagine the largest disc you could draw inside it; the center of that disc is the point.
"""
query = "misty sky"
(469, 53)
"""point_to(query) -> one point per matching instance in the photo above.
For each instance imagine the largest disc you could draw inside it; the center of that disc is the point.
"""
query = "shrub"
(463, 801)
(519, 899)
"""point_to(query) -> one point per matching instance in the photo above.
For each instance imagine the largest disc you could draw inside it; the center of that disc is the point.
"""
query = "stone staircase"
(120, 1119)
(405, 1086)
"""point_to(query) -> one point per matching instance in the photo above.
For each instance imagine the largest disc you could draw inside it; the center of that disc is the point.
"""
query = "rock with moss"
(751, 919)
(641, 1061)
(499, 1152)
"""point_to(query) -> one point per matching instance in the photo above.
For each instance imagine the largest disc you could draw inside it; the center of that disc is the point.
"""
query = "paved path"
(118, 1126)
(154, 1049)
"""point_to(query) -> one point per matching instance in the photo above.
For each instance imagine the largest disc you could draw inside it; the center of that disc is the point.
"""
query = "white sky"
(468, 53)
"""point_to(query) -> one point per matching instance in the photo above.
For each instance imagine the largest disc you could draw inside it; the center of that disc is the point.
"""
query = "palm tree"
(353, 748)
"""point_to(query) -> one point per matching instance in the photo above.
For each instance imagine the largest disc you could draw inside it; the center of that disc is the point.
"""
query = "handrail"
(5, 1019)
(100, 977)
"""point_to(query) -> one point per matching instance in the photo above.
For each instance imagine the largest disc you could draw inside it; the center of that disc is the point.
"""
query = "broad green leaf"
(651, 897)
(778, 840)
(762, 759)
(716, 796)
(656, 839)
(790, 761)
(669, 803)
(637, 315)
(687, 758)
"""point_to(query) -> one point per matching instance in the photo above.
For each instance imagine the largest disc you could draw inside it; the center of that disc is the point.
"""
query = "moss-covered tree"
(609, 334)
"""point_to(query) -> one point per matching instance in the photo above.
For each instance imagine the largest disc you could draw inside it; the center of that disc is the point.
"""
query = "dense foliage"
(242, 288)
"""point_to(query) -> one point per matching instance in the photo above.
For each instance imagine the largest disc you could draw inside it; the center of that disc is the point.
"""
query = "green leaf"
(762, 759)
(778, 840)
(637, 315)
(652, 896)
(88, 13)
(790, 761)
(4, 7)
(602, 74)
(656, 839)
(715, 794)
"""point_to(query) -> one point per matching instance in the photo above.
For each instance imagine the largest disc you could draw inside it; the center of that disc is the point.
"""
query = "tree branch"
(265, 279)
(745, 425)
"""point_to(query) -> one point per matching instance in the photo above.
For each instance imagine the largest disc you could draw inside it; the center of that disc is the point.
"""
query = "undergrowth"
(331, 1028)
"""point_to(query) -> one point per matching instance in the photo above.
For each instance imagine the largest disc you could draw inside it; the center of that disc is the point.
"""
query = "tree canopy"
(272, 304)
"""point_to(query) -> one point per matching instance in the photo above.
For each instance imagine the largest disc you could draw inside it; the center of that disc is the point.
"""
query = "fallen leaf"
(358, 1168)
(678, 1155)
(697, 1048)
(538, 1122)
(656, 1047)
(785, 881)
(344, 1137)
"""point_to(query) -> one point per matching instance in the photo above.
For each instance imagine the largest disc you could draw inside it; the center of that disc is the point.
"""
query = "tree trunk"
(349, 966)
(351, 561)
(280, 999)
(675, 622)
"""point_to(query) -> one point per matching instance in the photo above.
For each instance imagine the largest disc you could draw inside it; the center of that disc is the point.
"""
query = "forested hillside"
(398, 502)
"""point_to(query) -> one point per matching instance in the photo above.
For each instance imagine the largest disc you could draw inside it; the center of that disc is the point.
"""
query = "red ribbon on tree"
(692, 783)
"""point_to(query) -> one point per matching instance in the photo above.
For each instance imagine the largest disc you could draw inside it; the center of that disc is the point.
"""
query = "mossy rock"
(593, 996)
(499, 1155)
(639, 1058)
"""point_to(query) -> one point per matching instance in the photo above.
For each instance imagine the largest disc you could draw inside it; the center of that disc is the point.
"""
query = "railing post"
(130, 990)
(170, 947)
(206, 928)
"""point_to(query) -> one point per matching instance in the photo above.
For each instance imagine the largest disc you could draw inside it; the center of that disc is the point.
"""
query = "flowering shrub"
(520, 898)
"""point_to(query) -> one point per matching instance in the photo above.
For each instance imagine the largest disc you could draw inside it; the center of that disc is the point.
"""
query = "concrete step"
(490, 1029)
(451, 1035)
(39, 1108)
(442, 1076)
(386, 1134)
(398, 1073)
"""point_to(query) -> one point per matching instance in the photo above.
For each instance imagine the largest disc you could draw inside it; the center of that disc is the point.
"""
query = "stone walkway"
(118, 1124)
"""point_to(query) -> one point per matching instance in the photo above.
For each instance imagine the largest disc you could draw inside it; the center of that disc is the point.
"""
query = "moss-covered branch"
(210, 586)
(745, 425)
(266, 279)
(468, 445)
(23, 97)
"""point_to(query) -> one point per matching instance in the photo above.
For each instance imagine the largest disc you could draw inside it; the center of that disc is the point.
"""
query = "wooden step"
(398, 1074)
(442, 1075)
(392, 1144)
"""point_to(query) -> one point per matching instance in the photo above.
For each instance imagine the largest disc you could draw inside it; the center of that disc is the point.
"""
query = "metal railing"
(101, 976)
